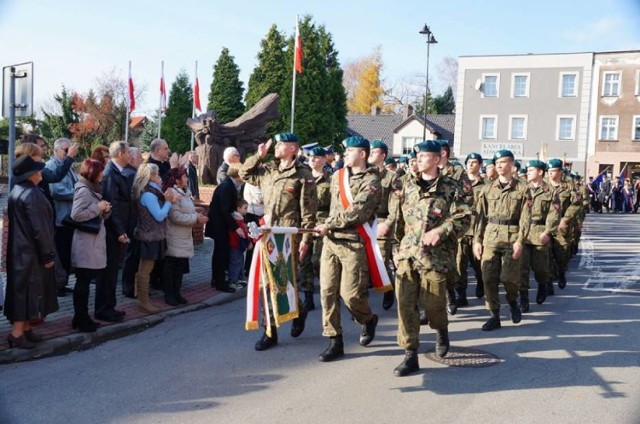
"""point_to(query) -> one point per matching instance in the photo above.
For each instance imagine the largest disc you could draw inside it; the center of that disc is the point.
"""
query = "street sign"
(23, 77)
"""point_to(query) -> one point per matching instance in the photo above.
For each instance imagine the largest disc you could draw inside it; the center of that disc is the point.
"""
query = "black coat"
(223, 204)
(222, 172)
(163, 167)
(115, 190)
(192, 174)
(31, 288)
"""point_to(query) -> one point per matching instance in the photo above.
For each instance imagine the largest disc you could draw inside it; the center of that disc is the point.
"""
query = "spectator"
(153, 208)
(192, 173)
(254, 197)
(627, 194)
(132, 254)
(101, 154)
(89, 250)
(159, 155)
(115, 190)
(230, 156)
(182, 217)
(62, 194)
(220, 222)
(636, 189)
(238, 245)
(30, 253)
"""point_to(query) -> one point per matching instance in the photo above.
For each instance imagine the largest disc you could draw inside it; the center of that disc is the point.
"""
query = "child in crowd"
(238, 246)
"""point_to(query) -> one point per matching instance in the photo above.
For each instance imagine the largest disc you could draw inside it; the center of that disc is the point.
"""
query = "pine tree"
(174, 127)
(57, 125)
(444, 104)
(225, 96)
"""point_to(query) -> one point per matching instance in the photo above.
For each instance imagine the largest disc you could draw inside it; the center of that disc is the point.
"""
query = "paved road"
(575, 359)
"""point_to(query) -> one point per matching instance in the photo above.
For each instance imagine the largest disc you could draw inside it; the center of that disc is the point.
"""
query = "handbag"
(91, 226)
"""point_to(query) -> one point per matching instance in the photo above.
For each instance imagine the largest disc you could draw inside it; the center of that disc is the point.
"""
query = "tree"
(174, 128)
(444, 104)
(363, 84)
(225, 96)
(58, 119)
(337, 96)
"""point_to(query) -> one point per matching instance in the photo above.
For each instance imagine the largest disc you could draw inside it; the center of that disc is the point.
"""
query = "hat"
(403, 159)
(536, 163)
(389, 161)
(379, 144)
(522, 171)
(429, 146)
(287, 138)
(24, 167)
(309, 147)
(555, 164)
(356, 141)
(317, 151)
(329, 150)
(475, 156)
(412, 154)
(502, 154)
(518, 165)
(444, 143)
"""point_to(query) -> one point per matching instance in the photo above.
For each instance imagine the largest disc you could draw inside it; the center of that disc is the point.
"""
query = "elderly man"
(132, 255)
(230, 157)
(159, 155)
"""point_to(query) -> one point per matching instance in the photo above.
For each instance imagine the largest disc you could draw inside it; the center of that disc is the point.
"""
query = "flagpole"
(161, 94)
(293, 90)
(193, 106)
(126, 124)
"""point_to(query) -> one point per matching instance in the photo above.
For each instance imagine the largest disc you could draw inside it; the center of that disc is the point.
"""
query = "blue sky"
(74, 42)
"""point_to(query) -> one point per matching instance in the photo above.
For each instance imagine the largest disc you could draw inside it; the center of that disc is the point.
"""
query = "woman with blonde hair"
(153, 209)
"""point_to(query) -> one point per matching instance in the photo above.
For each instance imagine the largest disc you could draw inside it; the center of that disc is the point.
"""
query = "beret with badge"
(379, 144)
(536, 163)
(287, 138)
(317, 151)
(504, 153)
(428, 146)
(356, 141)
(472, 156)
(555, 163)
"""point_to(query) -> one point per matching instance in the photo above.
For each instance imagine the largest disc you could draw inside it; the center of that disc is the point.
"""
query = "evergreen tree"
(337, 95)
(225, 96)
(57, 125)
(149, 133)
(174, 128)
(444, 104)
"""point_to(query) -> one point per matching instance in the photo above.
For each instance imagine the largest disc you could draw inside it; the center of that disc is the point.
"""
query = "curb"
(82, 341)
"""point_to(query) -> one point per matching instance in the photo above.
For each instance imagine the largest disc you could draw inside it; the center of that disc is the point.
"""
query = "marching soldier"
(290, 200)
(344, 270)
(538, 223)
(433, 210)
(497, 240)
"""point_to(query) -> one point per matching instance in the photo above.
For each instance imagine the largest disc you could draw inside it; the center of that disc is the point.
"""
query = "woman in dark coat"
(31, 286)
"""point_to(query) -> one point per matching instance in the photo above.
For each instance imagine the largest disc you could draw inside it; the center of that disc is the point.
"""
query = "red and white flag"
(297, 59)
(196, 92)
(132, 98)
(163, 91)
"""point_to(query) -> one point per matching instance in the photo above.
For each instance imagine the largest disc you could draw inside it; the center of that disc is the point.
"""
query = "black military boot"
(298, 323)
(368, 331)
(461, 298)
(452, 308)
(541, 296)
(424, 320)
(516, 314)
(550, 289)
(480, 288)
(442, 342)
(308, 303)
(387, 300)
(334, 351)
(493, 323)
(524, 301)
(267, 342)
(562, 281)
(409, 365)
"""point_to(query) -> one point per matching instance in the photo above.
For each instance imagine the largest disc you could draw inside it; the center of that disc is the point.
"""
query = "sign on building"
(489, 149)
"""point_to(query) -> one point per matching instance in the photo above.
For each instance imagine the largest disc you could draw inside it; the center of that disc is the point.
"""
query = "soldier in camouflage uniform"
(492, 174)
(388, 181)
(464, 257)
(497, 240)
(538, 224)
(310, 264)
(344, 272)
(290, 200)
(433, 210)
(570, 204)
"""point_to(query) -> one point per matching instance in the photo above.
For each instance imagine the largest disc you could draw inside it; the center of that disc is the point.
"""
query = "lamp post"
(430, 40)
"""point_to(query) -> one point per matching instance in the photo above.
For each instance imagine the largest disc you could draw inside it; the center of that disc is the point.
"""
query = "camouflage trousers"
(344, 273)
(310, 266)
(560, 256)
(464, 258)
(498, 266)
(536, 258)
(415, 288)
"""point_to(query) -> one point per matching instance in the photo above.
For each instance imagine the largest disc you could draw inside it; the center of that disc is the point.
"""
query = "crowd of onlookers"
(617, 195)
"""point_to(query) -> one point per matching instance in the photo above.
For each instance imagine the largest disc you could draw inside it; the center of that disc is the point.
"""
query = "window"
(608, 128)
(566, 127)
(488, 126)
(611, 86)
(636, 128)
(568, 85)
(490, 83)
(520, 85)
(517, 127)
(408, 143)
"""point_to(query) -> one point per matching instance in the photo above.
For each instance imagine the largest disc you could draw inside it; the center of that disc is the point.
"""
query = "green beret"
(428, 146)
(518, 165)
(565, 171)
(329, 150)
(522, 171)
(537, 164)
(379, 144)
(502, 154)
(412, 154)
(389, 161)
(555, 164)
(287, 138)
(356, 141)
(403, 159)
(475, 156)
(444, 144)
(317, 151)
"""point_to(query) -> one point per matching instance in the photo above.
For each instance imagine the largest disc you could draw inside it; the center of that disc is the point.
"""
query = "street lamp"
(430, 40)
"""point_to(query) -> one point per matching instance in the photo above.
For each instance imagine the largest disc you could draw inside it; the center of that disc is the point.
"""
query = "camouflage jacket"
(477, 187)
(366, 192)
(540, 213)
(323, 185)
(498, 214)
(441, 207)
(570, 202)
(457, 173)
(290, 195)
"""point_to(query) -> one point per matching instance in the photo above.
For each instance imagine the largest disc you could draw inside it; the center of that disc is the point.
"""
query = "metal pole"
(293, 90)
(126, 122)
(426, 94)
(193, 108)
(12, 123)
(161, 95)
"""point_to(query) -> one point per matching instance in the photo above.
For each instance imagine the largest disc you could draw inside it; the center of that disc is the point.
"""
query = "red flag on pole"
(163, 91)
(132, 98)
(196, 93)
(298, 51)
